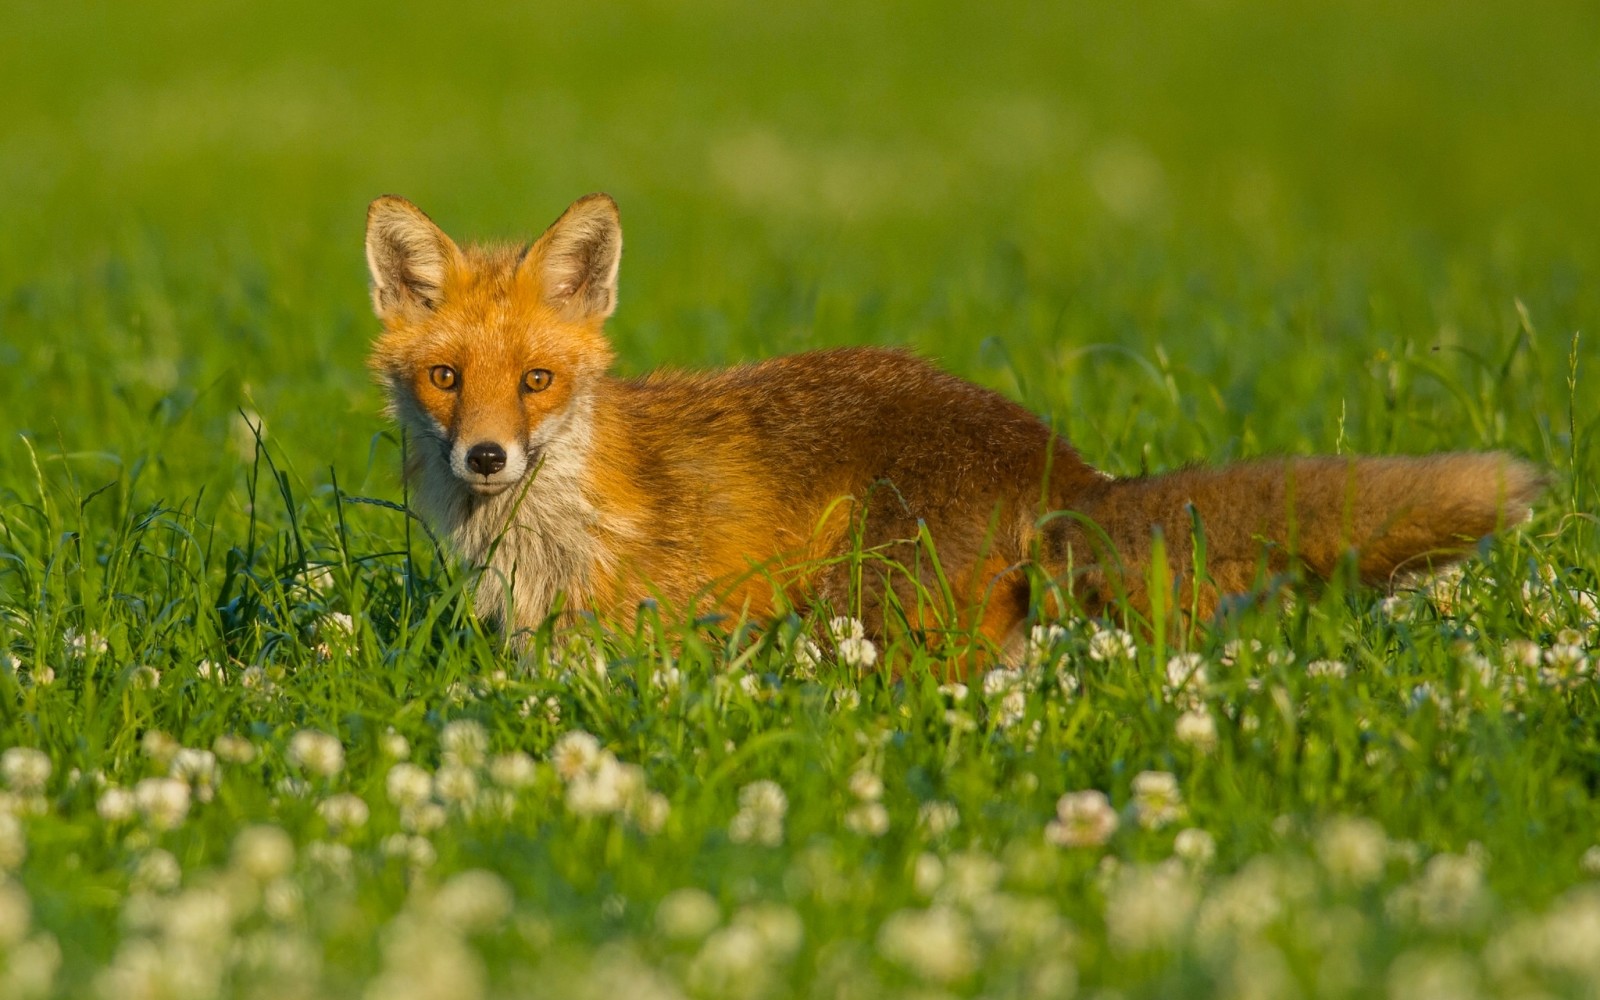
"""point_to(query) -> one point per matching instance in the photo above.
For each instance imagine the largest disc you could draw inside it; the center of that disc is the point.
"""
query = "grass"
(1180, 234)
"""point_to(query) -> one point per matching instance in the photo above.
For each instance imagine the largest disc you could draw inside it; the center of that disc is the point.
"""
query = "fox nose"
(486, 458)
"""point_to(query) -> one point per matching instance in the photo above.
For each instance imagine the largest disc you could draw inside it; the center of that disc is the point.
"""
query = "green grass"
(1181, 233)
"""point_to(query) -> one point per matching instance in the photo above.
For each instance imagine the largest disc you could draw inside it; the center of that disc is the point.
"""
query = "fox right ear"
(408, 257)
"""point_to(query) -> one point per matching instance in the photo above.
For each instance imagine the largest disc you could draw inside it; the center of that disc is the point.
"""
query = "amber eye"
(443, 376)
(536, 380)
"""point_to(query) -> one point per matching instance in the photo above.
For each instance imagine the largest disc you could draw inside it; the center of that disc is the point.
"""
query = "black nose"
(486, 458)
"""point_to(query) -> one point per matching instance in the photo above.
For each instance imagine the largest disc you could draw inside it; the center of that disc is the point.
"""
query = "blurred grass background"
(1184, 231)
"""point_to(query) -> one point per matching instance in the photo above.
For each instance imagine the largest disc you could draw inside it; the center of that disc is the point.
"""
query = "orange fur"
(746, 491)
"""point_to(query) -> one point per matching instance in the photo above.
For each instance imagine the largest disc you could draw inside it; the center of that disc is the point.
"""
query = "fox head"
(489, 354)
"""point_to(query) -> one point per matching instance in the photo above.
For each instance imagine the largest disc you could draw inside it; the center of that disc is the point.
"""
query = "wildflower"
(146, 678)
(263, 852)
(606, 788)
(1565, 666)
(1235, 650)
(317, 752)
(1589, 864)
(159, 746)
(934, 944)
(687, 914)
(393, 745)
(1354, 851)
(163, 802)
(805, 654)
(1107, 644)
(79, 644)
(26, 770)
(197, 769)
(845, 627)
(13, 845)
(927, 872)
(762, 807)
(115, 805)
(1195, 846)
(1449, 894)
(464, 742)
(473, 900)
(1083, 819)
(650, 812)
(1157, 800)
(511, 770)
(575, 753)
(938, 818)
(1186, 678)
(1522, 653)
(43, 675)
(866, 786)
(1198, 729)
(1336, 669)
(233, 749)
(1042, 641)
(157, 871)
(666, 679)
(1432, 975)
(869, 819)
(859, 654)
(1148, 908)
(16, 915)
(456, 783)
(344, 811)
(408, 784)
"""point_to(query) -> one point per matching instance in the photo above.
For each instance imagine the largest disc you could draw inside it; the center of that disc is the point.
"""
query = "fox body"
(746, 491)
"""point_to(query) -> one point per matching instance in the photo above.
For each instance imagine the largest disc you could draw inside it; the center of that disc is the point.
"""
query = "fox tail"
(1390, 516)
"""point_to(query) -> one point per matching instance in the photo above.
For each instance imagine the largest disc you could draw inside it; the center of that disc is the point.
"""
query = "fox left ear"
(576, 260)
(408, 256)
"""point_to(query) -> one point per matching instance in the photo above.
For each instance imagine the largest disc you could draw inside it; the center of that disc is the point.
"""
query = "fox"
(857, 478)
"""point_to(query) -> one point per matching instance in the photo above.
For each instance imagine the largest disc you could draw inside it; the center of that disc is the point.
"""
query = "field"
(254, 743)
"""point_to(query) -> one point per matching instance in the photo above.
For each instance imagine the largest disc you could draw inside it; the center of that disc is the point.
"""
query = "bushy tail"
(1396, 515)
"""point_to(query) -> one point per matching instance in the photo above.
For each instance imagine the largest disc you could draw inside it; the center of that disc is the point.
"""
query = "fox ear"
(408, 256)
(576, 259)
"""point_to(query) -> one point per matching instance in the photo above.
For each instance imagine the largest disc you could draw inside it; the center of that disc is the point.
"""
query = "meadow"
(254, 742)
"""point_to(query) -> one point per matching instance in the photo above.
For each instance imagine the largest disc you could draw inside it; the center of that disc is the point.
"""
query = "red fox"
(747, 491)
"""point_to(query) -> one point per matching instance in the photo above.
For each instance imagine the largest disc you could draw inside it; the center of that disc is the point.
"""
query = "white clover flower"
(667, 679)
(13, 844)
(1235, 650)
(339, 623)
(394, 746)
(1195, 846)
(955, 691)
(870, 819)
(1448, 895)
(649, 812)
(423, 817)
(866, 786)
(1336, 669)
(732, 961)
(1013, 708)
(1186, 677)
(472, 901)
(935, 944)
(1083, 819)
(1354, 850)
(1198, 729)
(858, 654)
(1565, 666)
(1432, 975)
(198, 769)
(575, 753)
(317, 752)
(78, 644)
(25, 769)
(844, 627)
(417, 852)
(1107, 644)
(163, 802)
(687, 914)
(344, 811)
(1589, 864)
(1157, 800)
(805, 654)
(42, 675)
(263, 852)
(779, 927)
(1042, 642)
(159, 746)
(16, 915)
(465, 742)
(1523, 653)
(116, 805)
(846, 699)
(762, 807)
(408, 784)
(157, 870)
(455, 783)
(512, 770)
(233, 749)
(1148, 907)
(145, 678)
(938, 818)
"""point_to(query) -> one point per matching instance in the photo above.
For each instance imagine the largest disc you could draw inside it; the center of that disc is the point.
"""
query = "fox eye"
(443, 376)
(536, 380)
